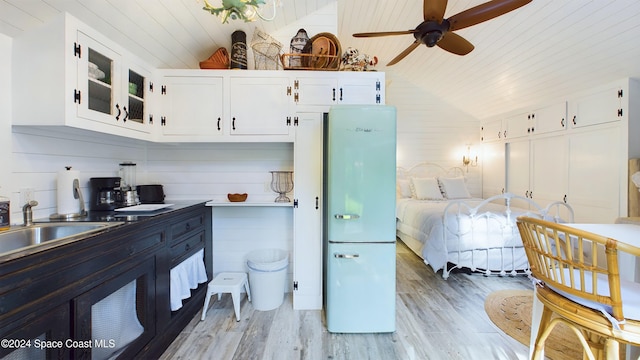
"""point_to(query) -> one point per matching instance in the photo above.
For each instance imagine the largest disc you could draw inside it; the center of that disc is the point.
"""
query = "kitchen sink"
(39, 233)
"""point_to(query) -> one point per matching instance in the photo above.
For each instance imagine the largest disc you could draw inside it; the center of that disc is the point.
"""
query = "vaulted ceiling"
(540, 52)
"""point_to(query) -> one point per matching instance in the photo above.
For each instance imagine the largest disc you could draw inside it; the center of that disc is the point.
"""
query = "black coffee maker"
(105, 193)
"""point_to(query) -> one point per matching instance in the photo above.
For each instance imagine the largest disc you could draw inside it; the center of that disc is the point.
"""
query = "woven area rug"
(510, 310)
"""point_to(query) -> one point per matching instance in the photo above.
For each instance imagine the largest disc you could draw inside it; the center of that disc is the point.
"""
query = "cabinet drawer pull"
(218, 124)
(126, 114)
(233, 123)
(119, 112)
(187, 227)
(187, 247)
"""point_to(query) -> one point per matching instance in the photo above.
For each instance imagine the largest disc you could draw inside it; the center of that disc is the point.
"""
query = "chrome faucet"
(27, 214)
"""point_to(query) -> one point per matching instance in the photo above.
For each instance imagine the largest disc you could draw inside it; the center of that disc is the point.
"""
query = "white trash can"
(267, 277)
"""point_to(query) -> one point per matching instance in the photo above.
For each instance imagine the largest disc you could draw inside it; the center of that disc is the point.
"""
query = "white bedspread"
(466, 229)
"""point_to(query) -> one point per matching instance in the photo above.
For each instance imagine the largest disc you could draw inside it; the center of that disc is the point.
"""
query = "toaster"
(150, 194)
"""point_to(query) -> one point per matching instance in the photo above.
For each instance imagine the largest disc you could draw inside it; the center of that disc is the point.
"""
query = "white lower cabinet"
(549, 177)
(307, 214)
(597, 167)
(517, 155)
(493, 168)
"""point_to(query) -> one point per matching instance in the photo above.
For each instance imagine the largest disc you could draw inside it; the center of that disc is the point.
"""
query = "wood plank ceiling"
(538, 53)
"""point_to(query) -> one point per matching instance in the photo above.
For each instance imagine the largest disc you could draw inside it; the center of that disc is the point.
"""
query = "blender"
(128, 184)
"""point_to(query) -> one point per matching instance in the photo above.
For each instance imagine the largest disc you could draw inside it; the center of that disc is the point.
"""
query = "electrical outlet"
(26, 195)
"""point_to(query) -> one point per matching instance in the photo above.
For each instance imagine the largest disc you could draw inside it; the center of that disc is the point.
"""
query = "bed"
(438, 219)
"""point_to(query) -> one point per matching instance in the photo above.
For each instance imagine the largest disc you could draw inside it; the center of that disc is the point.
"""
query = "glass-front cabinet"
(109, 91)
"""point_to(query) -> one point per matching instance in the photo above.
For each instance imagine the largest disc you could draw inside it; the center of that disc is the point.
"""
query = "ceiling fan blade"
(484, 12)
(404, 53)
(434, 10)
(455, 43)
(383, 33)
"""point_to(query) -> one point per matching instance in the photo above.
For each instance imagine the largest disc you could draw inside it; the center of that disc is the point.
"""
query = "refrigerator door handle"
(347, 216)
(346, 256)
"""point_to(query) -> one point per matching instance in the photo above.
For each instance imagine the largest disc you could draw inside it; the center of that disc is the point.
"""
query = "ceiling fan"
(436, 30)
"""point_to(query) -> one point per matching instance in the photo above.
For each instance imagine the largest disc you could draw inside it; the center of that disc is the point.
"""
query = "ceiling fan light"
(431, 38)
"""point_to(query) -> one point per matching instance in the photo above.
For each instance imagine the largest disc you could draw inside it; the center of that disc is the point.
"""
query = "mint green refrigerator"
(359, 222)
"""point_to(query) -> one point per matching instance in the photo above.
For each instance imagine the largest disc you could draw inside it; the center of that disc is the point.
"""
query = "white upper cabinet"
(333, 88)
(551, 118)
(80, 79)
(493, 130)
(192, 106)
(254, 105)
(520, 125)
(259, 105)
(602, 106)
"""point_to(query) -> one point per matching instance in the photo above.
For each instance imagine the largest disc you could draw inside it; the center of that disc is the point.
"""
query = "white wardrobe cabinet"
(493, 168)
(583, 163)
(80, 79)
(595, 174)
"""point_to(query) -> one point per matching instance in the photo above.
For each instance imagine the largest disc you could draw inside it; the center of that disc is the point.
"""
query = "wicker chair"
(578, 282)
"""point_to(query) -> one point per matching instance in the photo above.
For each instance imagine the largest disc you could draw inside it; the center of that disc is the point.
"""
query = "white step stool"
(227, 282)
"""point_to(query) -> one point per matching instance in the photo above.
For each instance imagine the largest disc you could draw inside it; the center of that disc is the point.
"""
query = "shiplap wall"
(430, 130)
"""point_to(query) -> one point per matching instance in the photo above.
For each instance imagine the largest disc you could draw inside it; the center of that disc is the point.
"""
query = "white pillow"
(425, 189)
(454, 188)
(403, 188)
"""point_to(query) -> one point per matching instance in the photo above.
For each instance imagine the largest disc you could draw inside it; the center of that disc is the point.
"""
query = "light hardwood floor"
(435, 319)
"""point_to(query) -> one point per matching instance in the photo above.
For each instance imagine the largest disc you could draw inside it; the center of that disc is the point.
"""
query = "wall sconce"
(467, 159)
(246, 10)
